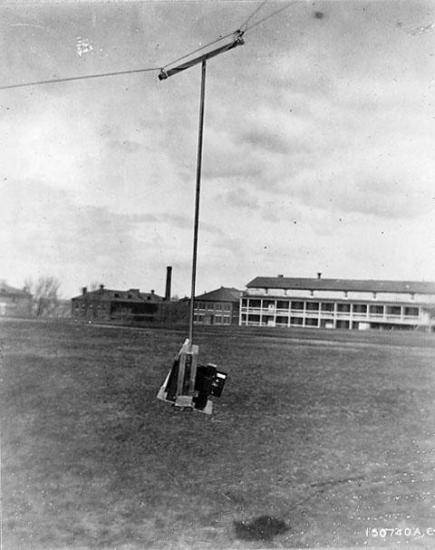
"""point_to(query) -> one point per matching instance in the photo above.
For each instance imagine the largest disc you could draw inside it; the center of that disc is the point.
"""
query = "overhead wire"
(270, 15)
(84, 77)
(241, 30)
(257, 9)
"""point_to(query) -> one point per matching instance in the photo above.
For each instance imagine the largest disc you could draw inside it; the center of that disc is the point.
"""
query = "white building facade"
(337, 303)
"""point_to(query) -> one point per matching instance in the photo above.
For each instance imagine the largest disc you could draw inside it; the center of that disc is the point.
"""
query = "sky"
(319, 143)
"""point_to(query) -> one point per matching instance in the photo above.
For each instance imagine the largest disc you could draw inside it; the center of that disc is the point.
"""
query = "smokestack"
(168, 283)
(84, 290)
(319, 275)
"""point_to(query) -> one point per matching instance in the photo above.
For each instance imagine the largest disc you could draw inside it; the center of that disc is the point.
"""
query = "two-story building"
(337, 303)
(116, 305)
(218, 307)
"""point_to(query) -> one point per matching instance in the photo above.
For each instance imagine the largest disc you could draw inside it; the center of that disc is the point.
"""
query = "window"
(282, 321)
(296, 320)
(282, 304)
(227, 320)
(218, 319)
(255, 318)
(343, 308)
(329, 306)
(311, 322)
(376, 310)
(270, 304)
(116, 295)
(411, 311)
(297, 305)
(227, 307)
(359, 308)
(312, 306)
(244, 302)
(393, 310)
(218, 306)
(254, 303)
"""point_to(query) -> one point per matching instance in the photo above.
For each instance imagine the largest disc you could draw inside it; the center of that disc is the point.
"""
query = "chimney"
(84, 291)
(168, 283)
(101, 288)
(319, 275)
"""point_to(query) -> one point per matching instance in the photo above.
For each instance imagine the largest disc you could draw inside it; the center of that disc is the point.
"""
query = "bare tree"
(44, 293)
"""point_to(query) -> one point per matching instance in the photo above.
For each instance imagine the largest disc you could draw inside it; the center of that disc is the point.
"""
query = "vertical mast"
(197, 198)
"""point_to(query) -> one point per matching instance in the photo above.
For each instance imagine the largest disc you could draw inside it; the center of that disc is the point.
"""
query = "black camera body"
(209, 381)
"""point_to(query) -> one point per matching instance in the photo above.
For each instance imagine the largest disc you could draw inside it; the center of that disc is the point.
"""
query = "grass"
(324, 434)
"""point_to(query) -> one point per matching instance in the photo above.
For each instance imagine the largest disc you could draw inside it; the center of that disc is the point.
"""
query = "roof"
(361, 285)
(222, 294)
(5, 289)
(108, 295)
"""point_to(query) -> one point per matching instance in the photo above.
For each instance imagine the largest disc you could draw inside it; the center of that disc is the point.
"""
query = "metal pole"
(197, 197)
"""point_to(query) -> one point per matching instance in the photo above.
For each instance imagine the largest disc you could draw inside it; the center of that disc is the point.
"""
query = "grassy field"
(318, 437)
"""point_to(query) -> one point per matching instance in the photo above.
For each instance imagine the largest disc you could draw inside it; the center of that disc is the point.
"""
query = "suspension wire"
(257, 9)
(84, 77)
(242, 29)
(270, 15)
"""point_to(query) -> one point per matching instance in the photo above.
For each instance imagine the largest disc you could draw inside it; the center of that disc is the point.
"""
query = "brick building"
(218, 307)
(116, 305)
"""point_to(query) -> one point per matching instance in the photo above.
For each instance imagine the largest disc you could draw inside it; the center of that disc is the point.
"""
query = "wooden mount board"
(179, 385)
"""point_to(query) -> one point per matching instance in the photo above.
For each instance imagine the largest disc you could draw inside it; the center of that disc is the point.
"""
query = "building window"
(218, 319)
(329, 306)
(393, 310)
(297, 305)
(116, 295)
(311, 322)
(254, 318)
(296, 321)
(282, 304)
(312, 306)
(254, 303)
(218, 306)
(411, 311)
(227, 307)
(270, 304)
(281, 321)
(244, 302)
(359, 308)
(226, 320)
(376, 310)
(343, 308)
